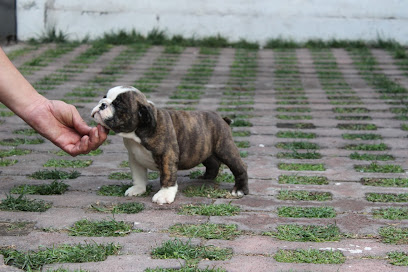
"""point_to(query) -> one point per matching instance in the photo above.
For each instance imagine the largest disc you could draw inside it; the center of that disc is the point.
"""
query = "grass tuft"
(309, 256)
(79, 253)
(54, 174)
(206, 231)
(210, 210)
(23, 204)
(294, 179)
(177, 249)
(101, 228)
(54, 188)
(306, 233)
(307, 212)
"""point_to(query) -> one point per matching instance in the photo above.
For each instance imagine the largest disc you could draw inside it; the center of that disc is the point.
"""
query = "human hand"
(62, 125)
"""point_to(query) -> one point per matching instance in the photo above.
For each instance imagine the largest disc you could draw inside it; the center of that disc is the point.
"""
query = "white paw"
(165, 195)
(237, 193)
(135, 190)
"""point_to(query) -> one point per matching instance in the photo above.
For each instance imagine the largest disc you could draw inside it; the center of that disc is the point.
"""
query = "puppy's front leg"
(168, 182)
(139, 177)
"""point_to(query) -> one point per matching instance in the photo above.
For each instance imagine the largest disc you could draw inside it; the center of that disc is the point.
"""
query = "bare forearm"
(15, 91)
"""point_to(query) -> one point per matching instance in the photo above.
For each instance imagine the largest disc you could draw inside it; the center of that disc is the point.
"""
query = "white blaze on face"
(104, 110)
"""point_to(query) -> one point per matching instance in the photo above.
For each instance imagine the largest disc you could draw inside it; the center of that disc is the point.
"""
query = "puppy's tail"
(227, 120)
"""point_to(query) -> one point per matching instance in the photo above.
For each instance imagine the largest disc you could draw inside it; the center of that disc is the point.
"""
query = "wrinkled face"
(119, 109)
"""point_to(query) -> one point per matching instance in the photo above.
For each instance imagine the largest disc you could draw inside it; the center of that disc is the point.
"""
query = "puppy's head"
(124, 109)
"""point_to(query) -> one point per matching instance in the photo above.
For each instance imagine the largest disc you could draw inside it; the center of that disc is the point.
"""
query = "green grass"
(304, 195)
(241, 133)
(23, 204)
(376, 168)
(102, 228)
(398, 258)
(119, 190)
(54, 188)
(14, 152)
(68, 163)
(26, 132)
(177, 249)
(186, 268)
(391, 213)
(205, 191)
(295, 134)
(367, 147)
(306, 212)
(361, 136)
(371, 157)
(295, 179)
(210, 209)
(293, 109)
(225, 177)
(294, 117)
(7, 162)
(375, 197)
(91, 153)
(206, 231)
(79, 253)
(297, 145)
(301, 167)
(241, 123)
(120, 176)
(309, 256)
(357, 126)
(242, 144)
(127, 208)
(54, 174)
(394, 235)
(20, 141)
(385, 182)
(299, 156)
(306, 233)
(350, 110)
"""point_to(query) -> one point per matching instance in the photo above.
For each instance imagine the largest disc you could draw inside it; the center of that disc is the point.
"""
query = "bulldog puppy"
(169, 140)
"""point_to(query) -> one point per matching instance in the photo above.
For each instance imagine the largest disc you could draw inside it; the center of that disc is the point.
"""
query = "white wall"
(254, 20)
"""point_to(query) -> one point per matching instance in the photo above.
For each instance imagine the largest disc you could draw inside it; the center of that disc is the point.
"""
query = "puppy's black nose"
(103, 106)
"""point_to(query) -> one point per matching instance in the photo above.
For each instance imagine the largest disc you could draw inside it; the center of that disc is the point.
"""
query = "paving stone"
(251, 250)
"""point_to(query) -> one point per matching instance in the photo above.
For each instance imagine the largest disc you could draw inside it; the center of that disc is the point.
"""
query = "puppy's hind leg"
(139, 177)
(228, 154)
(212, 167)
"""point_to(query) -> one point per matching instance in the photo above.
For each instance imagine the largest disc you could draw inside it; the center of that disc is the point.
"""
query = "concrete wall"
(254, 20)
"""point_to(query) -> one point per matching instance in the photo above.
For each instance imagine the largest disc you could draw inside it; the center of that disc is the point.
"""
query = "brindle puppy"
(168, 140)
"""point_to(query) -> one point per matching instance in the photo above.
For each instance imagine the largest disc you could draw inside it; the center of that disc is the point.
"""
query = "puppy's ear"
(146, 116)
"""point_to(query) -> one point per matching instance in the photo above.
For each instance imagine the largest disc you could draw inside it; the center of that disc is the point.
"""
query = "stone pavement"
(322, 94)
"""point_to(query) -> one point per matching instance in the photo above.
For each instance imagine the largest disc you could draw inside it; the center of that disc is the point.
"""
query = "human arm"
(53, 119)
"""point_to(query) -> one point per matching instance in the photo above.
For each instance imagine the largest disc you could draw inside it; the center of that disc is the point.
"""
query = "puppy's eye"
(103, 106)
(104, 96)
